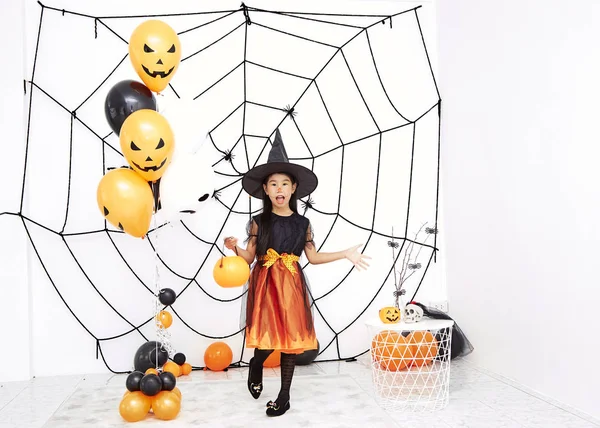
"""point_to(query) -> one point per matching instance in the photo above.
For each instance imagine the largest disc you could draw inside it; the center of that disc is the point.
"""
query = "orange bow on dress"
(288, 259)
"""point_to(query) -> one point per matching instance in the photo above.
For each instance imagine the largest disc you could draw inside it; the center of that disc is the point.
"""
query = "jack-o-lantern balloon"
(155, 52)
(147, 142)
(389, 315)
(126, 201)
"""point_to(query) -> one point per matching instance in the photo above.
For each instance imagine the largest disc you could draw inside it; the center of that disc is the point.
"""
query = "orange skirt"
(278, 313)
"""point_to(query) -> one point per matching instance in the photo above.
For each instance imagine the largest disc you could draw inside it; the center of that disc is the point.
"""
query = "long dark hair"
(264, 231)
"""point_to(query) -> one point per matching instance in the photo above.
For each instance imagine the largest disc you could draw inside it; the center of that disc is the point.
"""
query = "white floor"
(476, 400)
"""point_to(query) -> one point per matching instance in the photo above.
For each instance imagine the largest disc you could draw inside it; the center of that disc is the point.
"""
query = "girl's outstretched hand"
(357, 258)
(231, 243)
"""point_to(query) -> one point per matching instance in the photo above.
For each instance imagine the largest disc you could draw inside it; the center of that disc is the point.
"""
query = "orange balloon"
(424, 347)
(392, 351)
(273, 360)
(166, 405)
(151, 371)
(177, 392)
(125, 200)
(218, 356)
(165, 318)
(231, 271)
(172, 367)
(380, 342)
(134, 406)
(186, 368)
(397, 356)
(155, 52)
(147, 142)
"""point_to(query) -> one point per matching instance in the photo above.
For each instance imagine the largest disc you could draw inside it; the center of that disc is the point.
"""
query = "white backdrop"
(521, 188)
(88, 271)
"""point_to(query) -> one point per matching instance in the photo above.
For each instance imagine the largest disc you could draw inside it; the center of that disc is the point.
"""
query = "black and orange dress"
(278, 311)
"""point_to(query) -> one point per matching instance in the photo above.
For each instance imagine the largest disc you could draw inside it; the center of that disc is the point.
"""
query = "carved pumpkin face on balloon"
(147, 142)
(155, 52)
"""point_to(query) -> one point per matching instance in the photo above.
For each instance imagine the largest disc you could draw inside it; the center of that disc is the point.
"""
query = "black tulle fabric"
(460, 345)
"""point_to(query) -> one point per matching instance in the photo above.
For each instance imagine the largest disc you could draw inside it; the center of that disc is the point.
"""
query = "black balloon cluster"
(146, 358)
(150, 384)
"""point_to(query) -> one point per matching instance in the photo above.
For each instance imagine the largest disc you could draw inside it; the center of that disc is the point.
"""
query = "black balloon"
(308, 357)
(167, 296)
(123, 99)
(150, 385)
(133, 381)
(179, 358)
(168, 381)
(145, 356)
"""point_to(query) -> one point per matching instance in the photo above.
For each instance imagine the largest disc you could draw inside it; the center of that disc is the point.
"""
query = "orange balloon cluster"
(177, 369)
(165, 405)
(394, 352)
(124, 195)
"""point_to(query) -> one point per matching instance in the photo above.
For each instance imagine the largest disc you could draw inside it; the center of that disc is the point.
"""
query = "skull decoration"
(412, 313)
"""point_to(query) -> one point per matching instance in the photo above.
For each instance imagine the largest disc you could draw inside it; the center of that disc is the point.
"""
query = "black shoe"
(273, 409)
(254, 388)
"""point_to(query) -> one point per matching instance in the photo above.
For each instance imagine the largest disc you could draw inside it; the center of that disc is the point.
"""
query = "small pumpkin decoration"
(231, 271)
(390, 315)
(155, 52)
(147, 142)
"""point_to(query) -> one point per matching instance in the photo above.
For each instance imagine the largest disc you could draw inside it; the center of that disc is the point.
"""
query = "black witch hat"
(278, 163)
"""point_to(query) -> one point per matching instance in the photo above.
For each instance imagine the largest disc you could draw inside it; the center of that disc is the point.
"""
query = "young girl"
(278, 312)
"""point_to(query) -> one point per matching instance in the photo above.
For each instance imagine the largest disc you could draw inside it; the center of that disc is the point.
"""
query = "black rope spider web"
(238, 156)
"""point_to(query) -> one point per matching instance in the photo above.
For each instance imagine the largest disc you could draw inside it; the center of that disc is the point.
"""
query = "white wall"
(14, 286)
(520, 159)
(68, 69)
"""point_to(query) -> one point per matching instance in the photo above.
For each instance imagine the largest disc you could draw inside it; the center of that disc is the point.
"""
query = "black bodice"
(289, 234)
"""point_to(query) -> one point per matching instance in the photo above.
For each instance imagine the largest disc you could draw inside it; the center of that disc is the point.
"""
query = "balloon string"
(222, 254)
(156, 288)
(163, 338)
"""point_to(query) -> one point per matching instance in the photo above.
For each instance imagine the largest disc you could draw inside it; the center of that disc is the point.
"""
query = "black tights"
(288, 363)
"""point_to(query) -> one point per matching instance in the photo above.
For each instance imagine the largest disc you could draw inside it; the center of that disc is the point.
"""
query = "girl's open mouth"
(280, 199)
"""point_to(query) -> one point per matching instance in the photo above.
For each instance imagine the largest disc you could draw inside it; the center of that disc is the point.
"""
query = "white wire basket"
(410, 364)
